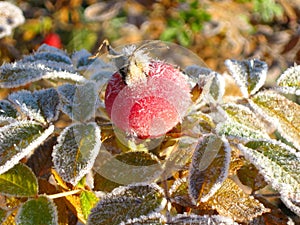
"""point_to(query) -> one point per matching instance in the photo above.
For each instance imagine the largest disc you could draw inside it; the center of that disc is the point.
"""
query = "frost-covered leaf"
(55, 62)
(235, 130)
(151, 219)
(291, 203)
(48, 57)
(129, 202)
(250, 75)
(76, 150)
(289, 81)
(126, 168)
(15, 74)
(48, 101)
(19, 139)
(85, 100)
(231, 201)
(51, 49)
(28, 105)
(37, 211)
(79, 101)
(278, 163)
(82, 59)
(193, 219)
(18, 74)
(280, 111)
(241, 123)
(243, 115)
(88, 200)
(209, 167)
(66, 93)
(8, 113)
(19, 181)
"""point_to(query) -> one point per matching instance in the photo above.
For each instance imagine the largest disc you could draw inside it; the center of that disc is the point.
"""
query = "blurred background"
(214, 30)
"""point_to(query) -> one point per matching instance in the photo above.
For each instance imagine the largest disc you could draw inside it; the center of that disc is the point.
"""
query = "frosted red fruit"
(150, 108)
(53, 39)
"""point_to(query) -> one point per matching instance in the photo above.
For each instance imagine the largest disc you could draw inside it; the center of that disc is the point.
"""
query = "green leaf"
(278, 163)
(19, 139)
(209, 167)
(281, 112)
(236, 131)
(250, 75)
(18, 74)
(289, 81)
(87, 201)
(48, 101)
(50, 57)
(28, 105)
(76, 151)
(126, 168)
(8, 112)
(217, 87)
(19, 181)
(192, 219)
(129, 202)
(37, 211)
(243, 115)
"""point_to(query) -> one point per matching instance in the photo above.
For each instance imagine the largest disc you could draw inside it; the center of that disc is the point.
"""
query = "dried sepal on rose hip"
(146, 97)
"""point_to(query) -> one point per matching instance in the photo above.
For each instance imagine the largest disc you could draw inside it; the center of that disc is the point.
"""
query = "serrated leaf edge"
(55, 215)
(277, 186)
(273, 120)
(224, 173)
(34, 144)
(93, 157)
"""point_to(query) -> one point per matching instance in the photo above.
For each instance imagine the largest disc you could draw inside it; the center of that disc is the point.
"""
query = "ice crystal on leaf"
(209, 167)
(278, 163)
(250, 75)
(19, 139)
(76, 151)
(126, 203)
(41, 210)
(281, 112)
(289, 81)
(193, 219)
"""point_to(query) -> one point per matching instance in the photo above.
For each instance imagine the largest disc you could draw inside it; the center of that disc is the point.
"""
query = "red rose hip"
(148, 102)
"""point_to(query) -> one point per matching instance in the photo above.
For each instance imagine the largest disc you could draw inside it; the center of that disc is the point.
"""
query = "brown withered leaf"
(236, 162)
(275, 216)
(231, 201)
(250, 176)
(41, 160)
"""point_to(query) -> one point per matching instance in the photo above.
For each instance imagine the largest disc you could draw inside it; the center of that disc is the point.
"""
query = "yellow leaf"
(231, 201)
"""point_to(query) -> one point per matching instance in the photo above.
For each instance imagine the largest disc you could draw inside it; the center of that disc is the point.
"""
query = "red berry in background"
(53, 39)
(152, 107)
